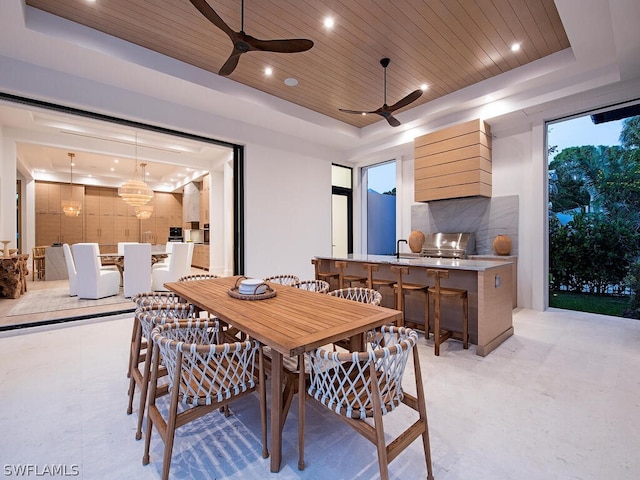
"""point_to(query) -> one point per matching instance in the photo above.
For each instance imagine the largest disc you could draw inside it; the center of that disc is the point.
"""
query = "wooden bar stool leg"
(465, 322)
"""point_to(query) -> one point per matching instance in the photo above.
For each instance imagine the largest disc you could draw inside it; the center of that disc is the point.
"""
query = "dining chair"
(121, 246)
(168, 248)
(137, 268)
(358, 294)
(362, 387)
(285, 279)
(319, 286)
(71, 270)
(179, 266)
(204, 375)
(93, 281)
(157, 310)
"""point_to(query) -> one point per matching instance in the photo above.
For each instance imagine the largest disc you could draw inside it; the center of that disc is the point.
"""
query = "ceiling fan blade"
(231, 63)
(292, 45)
(393, 121)
(358, 112)
(412, 97)
(209, 13)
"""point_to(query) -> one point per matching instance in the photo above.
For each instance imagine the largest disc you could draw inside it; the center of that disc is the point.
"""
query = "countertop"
(418, 261)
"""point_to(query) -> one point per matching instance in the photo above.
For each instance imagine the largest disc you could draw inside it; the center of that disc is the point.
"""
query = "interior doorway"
(341, 211)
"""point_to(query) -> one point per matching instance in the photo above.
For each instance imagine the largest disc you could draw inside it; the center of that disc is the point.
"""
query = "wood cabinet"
(454, 162)
(99, 215)
(204, 200)
(167, 212)
(200, 257)
(52, 226)
(104, 219)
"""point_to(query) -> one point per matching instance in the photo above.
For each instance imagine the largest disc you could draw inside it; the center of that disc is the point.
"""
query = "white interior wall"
(287, 212)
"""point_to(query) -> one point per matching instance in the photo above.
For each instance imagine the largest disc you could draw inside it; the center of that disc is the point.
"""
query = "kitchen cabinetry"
(104, 219)
(200, 257)
(167, 212)
(454, 162)
(99, 216)
(204, 200)
(52, 226)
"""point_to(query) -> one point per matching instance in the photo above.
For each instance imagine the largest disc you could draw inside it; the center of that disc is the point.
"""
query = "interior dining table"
(118, 260)
(291, 322)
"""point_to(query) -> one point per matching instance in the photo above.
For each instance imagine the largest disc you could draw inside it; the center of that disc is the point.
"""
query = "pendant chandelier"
(143, 212)
(135, 192)
(71, 208)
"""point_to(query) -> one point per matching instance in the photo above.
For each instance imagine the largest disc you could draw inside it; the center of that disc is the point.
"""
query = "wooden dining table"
(292, 322)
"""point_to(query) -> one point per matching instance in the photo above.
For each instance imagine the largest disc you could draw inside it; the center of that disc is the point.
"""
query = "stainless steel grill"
(448, 245)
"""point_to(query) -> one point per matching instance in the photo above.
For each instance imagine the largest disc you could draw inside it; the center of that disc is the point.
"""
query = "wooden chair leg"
(422, 411)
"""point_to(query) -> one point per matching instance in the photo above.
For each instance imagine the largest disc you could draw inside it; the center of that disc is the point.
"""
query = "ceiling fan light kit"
(386, 111)
(243, 43)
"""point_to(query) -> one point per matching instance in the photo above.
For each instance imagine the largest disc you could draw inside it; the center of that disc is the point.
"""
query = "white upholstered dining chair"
(93, 281)
(71, 270)
(179, 266)
(137, 268)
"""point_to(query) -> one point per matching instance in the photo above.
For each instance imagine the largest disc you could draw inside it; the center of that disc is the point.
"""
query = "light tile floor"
(558, 400)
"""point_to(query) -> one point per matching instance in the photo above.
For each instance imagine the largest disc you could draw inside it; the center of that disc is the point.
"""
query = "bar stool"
(347, 280)
(376, 283)
(37, 263)
(326, 276)
(440, 335)
(401, 289)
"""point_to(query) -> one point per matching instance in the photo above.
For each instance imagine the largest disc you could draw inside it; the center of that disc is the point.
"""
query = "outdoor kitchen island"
(488, 284)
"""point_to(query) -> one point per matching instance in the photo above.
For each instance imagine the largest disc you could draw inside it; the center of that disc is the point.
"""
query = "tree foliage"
(599, 187)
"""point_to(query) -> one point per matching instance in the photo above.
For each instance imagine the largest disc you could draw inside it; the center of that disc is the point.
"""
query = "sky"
(382, 178)
(569, 133)
(582, 131)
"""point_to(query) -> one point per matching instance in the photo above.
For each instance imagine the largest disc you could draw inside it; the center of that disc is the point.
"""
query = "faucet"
(398, 247)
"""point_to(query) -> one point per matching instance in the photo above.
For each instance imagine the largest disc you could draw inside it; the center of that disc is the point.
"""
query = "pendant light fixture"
(71, 208)
(143, 212)
(135, 192)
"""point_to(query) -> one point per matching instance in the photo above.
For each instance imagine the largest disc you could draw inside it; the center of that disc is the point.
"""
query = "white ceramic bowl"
(248, 286)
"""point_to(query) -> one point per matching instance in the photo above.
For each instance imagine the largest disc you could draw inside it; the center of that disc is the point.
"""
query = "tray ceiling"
(445, 44)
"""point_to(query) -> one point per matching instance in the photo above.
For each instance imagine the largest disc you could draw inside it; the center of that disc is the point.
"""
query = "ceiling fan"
(385, 110)
(243, 43)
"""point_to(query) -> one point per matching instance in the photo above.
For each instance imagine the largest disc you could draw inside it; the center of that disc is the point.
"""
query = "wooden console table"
(13, 275)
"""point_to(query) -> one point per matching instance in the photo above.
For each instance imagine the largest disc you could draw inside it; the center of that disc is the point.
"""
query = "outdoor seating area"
(320, 240)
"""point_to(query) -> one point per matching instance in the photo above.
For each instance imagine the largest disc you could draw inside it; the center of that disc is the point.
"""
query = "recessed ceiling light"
(329, 22)
(268, 71)
(290, 82)
(515, 47)
(113, 169)
(115, 160)
(364, 114)
(424, 87)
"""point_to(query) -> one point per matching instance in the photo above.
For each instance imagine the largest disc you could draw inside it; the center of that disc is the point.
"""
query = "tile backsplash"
(486, 217)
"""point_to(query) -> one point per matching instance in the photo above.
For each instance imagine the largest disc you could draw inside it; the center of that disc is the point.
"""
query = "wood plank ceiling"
(445, 44)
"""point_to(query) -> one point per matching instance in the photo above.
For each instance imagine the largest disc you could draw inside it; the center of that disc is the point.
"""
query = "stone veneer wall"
(486, 217)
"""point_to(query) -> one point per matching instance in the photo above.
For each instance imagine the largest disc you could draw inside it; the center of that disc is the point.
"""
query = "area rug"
(57, 299)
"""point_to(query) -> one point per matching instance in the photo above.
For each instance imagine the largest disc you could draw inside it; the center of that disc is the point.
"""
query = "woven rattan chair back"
(360, 385)
(146, 318)
(197, 276)
(358, 294)
(319, 286)
(203, 376)
(285, 279)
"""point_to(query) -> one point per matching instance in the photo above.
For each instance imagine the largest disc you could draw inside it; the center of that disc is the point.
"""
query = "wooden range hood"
(454, 162)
